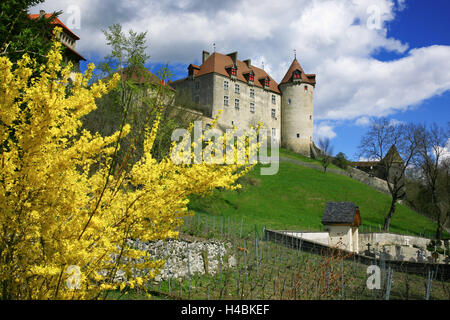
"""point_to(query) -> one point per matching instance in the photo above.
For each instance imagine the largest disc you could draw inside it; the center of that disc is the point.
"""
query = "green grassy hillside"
(295, 198)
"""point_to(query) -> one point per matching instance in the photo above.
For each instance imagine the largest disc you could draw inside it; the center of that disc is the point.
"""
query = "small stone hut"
(341, 220)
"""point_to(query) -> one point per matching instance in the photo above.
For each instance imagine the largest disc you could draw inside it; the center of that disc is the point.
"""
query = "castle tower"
(297, 90)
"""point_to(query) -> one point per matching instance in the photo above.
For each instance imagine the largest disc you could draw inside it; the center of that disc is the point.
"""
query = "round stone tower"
(297, 90)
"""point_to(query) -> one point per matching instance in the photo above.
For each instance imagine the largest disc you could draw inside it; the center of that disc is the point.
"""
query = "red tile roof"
(75, 52)
(308, 78)
(57, 22)
(153, 79)
(218, 63)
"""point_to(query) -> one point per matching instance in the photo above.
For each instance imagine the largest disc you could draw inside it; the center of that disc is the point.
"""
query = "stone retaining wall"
(185, 258)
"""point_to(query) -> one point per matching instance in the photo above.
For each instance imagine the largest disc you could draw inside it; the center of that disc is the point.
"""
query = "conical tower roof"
(295, 65)
(393, 156)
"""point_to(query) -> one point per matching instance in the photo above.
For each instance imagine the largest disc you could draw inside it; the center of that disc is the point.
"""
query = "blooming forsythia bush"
(64, 226)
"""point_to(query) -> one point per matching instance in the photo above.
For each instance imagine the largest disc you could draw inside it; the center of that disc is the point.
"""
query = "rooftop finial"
(262, 63)
(295, 54)
(214, 46)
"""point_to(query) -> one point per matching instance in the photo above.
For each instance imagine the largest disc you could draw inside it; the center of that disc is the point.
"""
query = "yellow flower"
(60, 208)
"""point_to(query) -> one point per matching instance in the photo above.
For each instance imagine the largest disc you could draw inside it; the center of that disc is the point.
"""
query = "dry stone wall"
(185, 258)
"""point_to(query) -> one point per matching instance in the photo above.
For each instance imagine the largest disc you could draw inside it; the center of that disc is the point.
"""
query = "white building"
(341, 220)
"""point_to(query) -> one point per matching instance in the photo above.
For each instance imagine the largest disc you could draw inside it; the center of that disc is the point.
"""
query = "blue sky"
(371, 58)
(420, 24)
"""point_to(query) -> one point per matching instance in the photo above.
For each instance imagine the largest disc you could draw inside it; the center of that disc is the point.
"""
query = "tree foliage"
(394, 146)
(326, 153)
(135, 98)
(341, 161)
(19, 34)
(57, 216)
(434, 179)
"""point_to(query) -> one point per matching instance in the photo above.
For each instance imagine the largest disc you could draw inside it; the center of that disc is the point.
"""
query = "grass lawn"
(295, 198)
(292, 155)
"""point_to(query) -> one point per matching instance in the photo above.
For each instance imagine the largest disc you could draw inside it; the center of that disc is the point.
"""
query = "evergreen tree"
(19, 34)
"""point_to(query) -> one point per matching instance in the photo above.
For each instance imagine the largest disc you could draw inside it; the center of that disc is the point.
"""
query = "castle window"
(252, 93)
(266, 82)
(233, 71)
(274, 113)
(197, 85)
(251, 77)
(297, 75)
(236, 88)
(236, 104)
(274, 99)
(225, 101)
(225, 85)
(252, 107)
(289, 101)
(310, 117)
(306, 88)
(298, 135)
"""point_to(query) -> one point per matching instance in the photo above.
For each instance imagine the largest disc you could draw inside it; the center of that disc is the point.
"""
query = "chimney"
(41, 13)
(205, 56)
(233, 57)
(248, 62)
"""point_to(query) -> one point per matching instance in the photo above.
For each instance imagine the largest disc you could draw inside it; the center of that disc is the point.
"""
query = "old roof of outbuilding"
(393, 156)
(55, 21)
(58, 22)
(340, 213)
(141, 76)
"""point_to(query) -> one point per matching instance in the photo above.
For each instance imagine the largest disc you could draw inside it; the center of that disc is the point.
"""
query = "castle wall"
(210, 92)
(200, 90)
(243, 117)
(297, 117)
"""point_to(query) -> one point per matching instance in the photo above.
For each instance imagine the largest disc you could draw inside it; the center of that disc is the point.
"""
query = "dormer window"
(250, 76)
(232, 70)
(297, 75)
(265, 82)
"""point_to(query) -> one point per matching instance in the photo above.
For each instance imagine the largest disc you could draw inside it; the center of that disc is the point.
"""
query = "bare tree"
(326, 153)
(393, 146)
(434, 169)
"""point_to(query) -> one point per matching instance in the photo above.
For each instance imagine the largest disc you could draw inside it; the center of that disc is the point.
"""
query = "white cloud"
(445, 151)
(331, 38)
(323, 130)
(394, 122)
(363, 121)
(401, 5)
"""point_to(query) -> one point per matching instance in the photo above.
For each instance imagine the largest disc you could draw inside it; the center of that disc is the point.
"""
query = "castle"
(248, 95)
